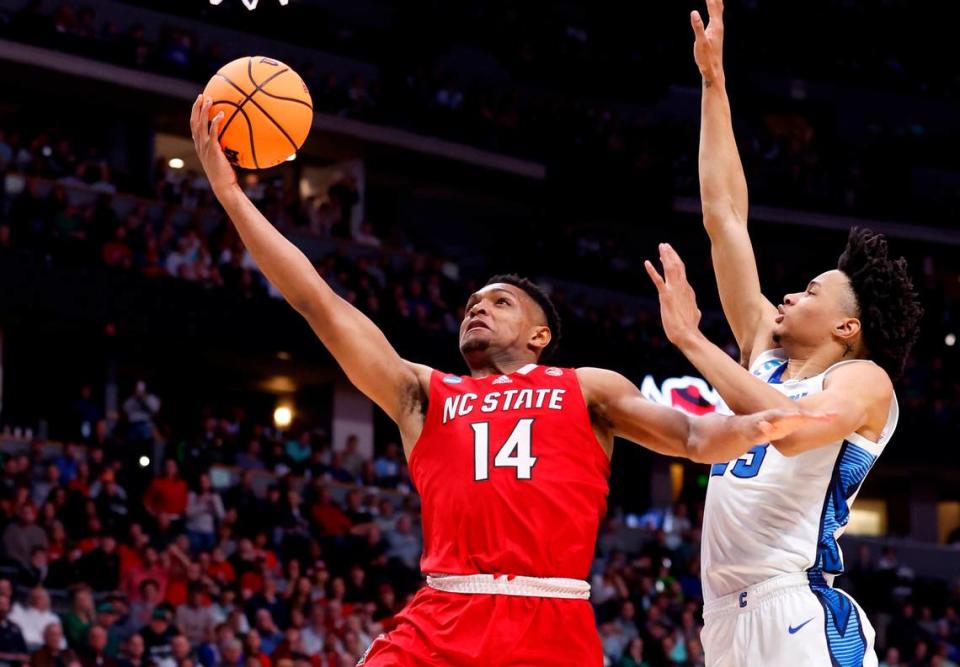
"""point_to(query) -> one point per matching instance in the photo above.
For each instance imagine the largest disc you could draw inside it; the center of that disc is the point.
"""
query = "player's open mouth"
(477, 324)
(779, 318)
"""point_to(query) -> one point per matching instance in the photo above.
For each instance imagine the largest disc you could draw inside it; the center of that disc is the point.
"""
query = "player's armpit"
(622, 411)
(371, 363)
(859, 394)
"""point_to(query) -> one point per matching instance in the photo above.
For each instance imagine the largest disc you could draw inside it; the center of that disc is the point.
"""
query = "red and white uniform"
(513, 484)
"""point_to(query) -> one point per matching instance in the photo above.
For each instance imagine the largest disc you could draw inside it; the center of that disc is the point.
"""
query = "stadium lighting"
(282, 416)
(950, 340)
(175, 163)
(251, 4)
(144, 461)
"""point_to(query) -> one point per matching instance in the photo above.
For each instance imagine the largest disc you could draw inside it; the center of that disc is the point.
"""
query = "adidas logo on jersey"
(503, 379)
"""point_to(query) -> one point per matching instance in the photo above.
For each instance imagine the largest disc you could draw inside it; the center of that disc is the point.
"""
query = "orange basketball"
(267, 111)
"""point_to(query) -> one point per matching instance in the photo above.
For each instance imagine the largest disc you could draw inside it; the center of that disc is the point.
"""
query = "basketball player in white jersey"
(773, 516)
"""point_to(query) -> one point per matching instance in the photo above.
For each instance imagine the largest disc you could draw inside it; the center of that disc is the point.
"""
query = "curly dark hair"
(888, 306)
(536, 293)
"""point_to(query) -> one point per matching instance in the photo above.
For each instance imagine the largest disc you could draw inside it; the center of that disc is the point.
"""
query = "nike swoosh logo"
(794, 630)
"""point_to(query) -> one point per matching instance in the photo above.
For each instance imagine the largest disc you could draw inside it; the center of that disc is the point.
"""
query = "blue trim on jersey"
(853, 464)
(777, 376)
(846, 642)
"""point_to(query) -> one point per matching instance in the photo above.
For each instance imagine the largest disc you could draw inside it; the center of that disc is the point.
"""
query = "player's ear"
(540, 337)
(847, 329)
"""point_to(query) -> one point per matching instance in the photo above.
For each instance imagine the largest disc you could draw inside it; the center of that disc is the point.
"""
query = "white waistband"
(747, 599)
(488, 584)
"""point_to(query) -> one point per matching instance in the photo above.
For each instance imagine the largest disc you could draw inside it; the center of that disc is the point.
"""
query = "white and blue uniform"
(769, 549)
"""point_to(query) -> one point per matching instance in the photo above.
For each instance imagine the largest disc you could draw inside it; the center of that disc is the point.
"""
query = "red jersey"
(511, 475)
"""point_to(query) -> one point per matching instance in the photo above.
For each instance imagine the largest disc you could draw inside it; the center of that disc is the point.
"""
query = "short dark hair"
(540, 297)
(889, 308)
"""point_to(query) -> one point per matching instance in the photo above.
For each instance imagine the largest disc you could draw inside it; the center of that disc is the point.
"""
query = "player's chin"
(475, 340)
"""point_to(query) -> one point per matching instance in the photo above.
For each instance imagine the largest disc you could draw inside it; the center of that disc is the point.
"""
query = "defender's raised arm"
(723, 195)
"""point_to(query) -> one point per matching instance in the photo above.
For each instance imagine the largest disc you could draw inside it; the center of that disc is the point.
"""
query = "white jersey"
(768, 514)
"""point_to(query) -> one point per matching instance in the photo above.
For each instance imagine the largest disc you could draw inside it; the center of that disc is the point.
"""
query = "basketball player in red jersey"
(511, 461)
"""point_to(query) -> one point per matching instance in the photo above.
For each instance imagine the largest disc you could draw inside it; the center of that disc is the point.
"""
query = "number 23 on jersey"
(745, 467)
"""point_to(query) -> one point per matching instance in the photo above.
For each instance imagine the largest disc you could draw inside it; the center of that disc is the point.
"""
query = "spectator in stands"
(253, 649)
(142, 608)
(194, 617)
(43, 487)
(269, 634)
(109, 616)
(231, 651)
(181, 652)
(111, 502)
(204, 512)
(80, 618)
(140, 409)
(37, 572)
(352, 458)
(13, 650)
(86, 413)
(250, 459)
(387, 466)
(167, 495)
(52, 652)
(117, 252)
(158, 636)
(95, 653)
(298, 449)
(23, 536)
(134, 653)
(34, 617)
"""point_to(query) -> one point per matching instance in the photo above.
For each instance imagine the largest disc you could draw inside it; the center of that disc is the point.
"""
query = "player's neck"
(498, 364)
(805, 363)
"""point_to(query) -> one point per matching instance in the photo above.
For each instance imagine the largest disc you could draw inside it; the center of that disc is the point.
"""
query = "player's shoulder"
(597, 383)
(861, 375)
(422, 372)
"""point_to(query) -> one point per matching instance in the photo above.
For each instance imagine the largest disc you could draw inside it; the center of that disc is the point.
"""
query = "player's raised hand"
(219, 172)
(772, 425)
(708, 45)
(678, 302)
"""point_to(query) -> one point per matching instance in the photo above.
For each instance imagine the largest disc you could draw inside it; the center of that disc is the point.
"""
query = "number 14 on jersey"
(515, 452)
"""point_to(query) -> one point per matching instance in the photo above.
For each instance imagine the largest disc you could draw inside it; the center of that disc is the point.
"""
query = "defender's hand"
(678, 302)
(772, 425)
(205, 140)
(708, 46)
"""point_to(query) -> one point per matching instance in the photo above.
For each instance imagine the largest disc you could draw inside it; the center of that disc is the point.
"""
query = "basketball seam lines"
(288, 99)
(262, 110)
(259, 87)
(246, 99)
(253, 148)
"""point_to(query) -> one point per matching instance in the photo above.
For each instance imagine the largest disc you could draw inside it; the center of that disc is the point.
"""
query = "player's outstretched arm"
(723, 196)
(618, 405)
(854, 392)
(356, 343)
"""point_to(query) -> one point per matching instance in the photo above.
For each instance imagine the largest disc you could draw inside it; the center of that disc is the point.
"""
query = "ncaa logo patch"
(554, 371)
(453, 379)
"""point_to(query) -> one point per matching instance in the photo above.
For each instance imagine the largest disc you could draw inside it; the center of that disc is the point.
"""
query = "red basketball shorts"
(441, 629)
